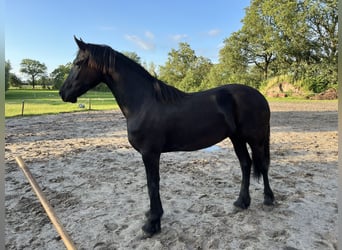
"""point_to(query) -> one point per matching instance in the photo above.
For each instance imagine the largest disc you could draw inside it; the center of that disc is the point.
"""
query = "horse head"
(82, 76)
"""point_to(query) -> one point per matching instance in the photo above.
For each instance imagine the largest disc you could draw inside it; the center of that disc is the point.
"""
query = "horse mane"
(103, 58)
(166, 93)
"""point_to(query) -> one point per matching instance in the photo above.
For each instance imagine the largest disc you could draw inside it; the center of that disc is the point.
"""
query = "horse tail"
(261, 157)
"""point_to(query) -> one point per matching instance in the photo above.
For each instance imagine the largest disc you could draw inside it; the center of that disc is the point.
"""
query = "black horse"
(161, 118)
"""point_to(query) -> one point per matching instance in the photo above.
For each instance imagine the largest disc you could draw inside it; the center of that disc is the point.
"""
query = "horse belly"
(197, 134)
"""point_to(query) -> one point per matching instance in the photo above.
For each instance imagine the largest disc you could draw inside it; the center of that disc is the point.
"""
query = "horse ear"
(81, 45)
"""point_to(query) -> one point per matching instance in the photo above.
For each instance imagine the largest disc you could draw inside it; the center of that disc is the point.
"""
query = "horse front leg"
(152, 225)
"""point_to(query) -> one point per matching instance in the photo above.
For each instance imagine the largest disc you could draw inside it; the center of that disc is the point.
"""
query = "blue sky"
(43, 30)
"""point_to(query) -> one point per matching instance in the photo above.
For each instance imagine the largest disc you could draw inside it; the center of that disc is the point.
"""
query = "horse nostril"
(62, 94)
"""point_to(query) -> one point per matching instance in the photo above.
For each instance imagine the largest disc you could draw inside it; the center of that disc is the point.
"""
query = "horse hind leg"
(241, 151)
(261, 161)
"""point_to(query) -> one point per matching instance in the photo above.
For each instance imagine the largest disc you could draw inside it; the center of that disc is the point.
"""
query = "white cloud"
(149, 35)
(179, 37)
(214, 32)
(141, 43)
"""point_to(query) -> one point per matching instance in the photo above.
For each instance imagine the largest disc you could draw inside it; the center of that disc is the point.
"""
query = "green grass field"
(39, 102)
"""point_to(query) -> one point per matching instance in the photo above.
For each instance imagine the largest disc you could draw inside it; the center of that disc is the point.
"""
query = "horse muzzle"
(67, 98)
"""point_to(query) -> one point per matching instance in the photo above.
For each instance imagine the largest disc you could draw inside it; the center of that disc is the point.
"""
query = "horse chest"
(143, 135)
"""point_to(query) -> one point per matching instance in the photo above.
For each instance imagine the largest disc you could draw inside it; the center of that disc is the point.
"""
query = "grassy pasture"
(39, 102)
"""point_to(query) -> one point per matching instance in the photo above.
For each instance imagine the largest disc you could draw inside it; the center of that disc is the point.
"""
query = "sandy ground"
(96, 183)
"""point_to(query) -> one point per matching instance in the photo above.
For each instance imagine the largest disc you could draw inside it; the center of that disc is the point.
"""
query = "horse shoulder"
(141, 128)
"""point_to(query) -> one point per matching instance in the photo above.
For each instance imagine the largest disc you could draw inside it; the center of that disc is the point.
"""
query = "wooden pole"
(48, 209)
(22, 107)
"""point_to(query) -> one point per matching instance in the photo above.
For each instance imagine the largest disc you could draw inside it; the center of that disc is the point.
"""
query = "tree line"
(36, 72)
(294, 40)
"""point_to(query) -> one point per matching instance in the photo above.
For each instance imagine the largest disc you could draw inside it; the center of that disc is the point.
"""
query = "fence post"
(89, 103)
(22, 107)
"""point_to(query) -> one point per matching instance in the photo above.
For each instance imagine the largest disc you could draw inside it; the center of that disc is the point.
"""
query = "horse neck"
(131, 89)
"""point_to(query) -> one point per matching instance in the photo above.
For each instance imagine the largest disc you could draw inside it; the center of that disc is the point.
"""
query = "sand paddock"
(96, 183)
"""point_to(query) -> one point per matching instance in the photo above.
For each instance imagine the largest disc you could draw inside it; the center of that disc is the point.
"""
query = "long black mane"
(166, 93)
(104, 58)
(101, 57)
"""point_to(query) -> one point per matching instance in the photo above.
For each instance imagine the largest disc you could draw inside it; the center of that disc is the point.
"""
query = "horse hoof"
(236, 210)
(241, 205)
(269, 202)
(151, 228)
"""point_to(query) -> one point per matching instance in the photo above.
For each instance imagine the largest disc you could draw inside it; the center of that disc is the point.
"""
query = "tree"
(195, 78)
(15, 81)
(132, 55)
(233, 63)
(151, 68)
(10, 78)
(184, 69)
(178, 63)
(7, 74)
(45, 82)
(258, 37)
(215, 77)
(322, 19)
(33, 69)
(297, 38)
(60, 74)
(307, 40)
(293, 44)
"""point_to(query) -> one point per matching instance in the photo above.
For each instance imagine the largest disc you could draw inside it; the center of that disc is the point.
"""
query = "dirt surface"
(96, 183)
